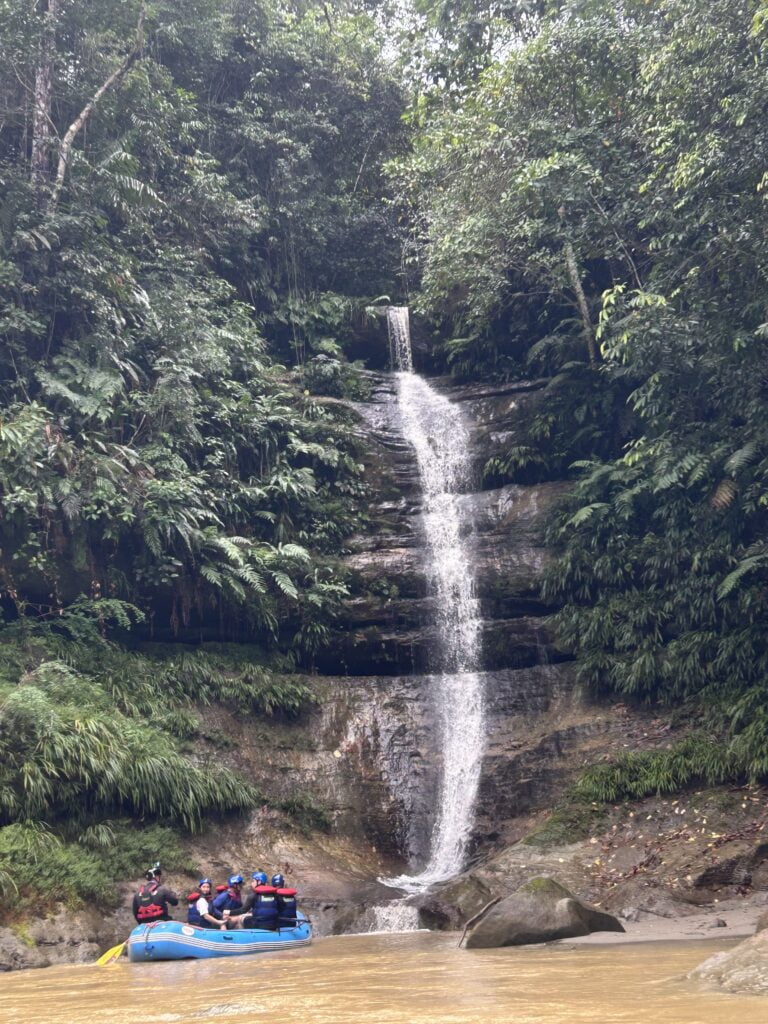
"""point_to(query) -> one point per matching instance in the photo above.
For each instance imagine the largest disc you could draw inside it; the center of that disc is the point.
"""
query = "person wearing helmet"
(287, 907)
(260, 907)
(200, 910)
(151, 901)
(230, 899)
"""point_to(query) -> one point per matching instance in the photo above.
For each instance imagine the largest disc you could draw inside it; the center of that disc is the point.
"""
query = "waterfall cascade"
(436, 429)
(398, 329)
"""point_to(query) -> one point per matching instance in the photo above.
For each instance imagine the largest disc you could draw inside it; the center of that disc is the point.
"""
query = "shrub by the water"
(90, 740)
(42, 867)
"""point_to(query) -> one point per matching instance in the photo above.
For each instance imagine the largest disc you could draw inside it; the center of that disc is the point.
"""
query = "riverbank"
(731, 919)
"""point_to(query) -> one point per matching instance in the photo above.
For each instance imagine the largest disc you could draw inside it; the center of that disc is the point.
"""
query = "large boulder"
(540, 911)
(448, 906)
(743, 969)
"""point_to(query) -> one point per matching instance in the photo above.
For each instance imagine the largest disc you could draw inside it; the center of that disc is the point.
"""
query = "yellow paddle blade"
(111, 955)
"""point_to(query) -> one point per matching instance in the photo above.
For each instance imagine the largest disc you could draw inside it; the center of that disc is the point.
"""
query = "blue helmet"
(278, 881)
(260, 877)
(235, 880)
(204, 881)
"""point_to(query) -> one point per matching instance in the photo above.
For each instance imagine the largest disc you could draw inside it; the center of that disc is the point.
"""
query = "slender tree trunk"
(573, 274)
(43, 97)
(65, 149)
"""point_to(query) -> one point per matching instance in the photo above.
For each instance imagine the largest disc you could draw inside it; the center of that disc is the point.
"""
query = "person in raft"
(287, 909)
(200, 910)
(260, 906)
(230, 899)
(151, 901)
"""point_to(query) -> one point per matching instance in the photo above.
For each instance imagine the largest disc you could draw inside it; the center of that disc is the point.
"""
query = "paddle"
(111, 955)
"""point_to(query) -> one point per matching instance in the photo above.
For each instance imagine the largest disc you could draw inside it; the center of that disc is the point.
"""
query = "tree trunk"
(43, 97)
(573, 274)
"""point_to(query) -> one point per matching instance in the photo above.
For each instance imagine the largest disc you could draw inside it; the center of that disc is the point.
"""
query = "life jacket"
(228, 899)
(265, 908)
(148, 908)
(287, 908)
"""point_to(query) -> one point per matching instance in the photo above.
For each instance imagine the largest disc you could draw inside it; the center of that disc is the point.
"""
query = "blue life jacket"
(264, 908)
(227, 900)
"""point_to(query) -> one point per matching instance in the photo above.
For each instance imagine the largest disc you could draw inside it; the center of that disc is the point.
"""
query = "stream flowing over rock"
(391, 641)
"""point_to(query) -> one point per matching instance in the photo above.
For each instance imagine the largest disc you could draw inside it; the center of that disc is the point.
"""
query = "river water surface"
(417, 978)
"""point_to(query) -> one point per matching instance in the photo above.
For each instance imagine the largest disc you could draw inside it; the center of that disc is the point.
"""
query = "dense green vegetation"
(589, 206)
(199, 201)
(95, 737)
(192, 222)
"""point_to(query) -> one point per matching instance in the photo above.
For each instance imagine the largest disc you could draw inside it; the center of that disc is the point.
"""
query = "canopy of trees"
(193, 216)
(198, 201)
(589, 205)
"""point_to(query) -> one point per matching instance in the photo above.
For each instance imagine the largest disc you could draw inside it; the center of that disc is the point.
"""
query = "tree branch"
(71, 133)
(479, 914)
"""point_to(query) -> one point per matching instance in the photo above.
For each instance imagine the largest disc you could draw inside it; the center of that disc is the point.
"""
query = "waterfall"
(399, 332)
(436, 429)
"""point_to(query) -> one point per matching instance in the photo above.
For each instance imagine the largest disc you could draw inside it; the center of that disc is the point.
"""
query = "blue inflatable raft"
(172, 940)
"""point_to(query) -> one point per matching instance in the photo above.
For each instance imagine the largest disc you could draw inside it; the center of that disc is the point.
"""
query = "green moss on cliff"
(567, 824)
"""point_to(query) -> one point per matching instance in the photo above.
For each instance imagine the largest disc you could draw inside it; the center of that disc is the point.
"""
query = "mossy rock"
(546, 887)
(450, 905)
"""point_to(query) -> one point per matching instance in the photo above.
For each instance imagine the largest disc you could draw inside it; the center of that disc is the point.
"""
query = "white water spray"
(399, 331)
(435, 428)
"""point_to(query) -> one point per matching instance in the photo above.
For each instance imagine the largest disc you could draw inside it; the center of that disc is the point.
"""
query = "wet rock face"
(386, 628)
(501, 413)
(370, 755)
(379, 661)
(743, 969)
(392, 648)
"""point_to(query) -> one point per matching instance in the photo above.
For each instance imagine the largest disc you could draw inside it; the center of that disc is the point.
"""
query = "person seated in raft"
(151, 901)
(287, 908)
(230, 898)
(260, 907)
(200, 910)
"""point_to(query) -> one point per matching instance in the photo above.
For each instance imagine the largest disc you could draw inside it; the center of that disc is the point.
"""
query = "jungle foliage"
(220, 210)
(193, 220)
(94, 738)
(589, 207)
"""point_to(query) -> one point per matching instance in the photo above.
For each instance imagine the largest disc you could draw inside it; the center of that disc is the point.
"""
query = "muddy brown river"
(389, 979)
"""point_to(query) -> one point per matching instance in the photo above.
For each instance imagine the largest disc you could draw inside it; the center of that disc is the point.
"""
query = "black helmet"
(278, 881)
(154, 872)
